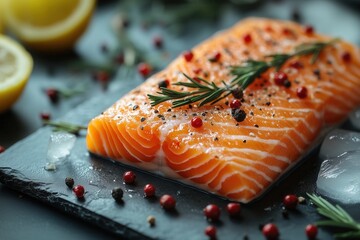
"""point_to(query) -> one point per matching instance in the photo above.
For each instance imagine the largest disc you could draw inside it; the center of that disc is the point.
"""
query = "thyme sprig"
(208, 92)
(338, 217)
(65, 127)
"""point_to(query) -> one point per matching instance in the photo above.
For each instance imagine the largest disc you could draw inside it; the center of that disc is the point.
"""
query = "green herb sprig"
(65, 127)
(208, 92)
(338, 217)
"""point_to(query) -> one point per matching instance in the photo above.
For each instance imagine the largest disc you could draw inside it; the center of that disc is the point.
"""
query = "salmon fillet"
(235, 160)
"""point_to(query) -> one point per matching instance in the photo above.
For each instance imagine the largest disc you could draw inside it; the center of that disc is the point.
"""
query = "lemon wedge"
(48, 25)
(15, 68)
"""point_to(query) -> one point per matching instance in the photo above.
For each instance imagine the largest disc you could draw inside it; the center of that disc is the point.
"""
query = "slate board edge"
(18, 184)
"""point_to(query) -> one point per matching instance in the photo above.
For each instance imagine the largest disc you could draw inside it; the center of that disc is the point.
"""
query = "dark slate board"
(22, 168)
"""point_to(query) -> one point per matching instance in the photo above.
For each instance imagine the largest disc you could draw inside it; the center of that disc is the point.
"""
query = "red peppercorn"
(2, 149)
(79, 191)
(311, 231)
(302, 92)
(197, 70)
(188, 56)
(236, 103)
(119, 58)
(296, 65)
(129, 177)
(346, 57)
(212, 212)
(102, 76)
(210, 231)
(290, 201)
(45, 116)
(287, 31)
(309, 30)
(268, 29)
(280, 78)
(144, 69)
(247, 38)
(233, 209)
(196, 122)
(270, 231)
(149, 190)
(158, 42)
(53, 94)
(167, 202)
(216, 57)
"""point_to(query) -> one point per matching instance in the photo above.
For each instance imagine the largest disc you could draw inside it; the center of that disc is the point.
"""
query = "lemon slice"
(48, 25)
(15, 69)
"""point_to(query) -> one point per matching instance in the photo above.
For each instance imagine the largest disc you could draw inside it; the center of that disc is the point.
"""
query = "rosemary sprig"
(65, 127)
(338, 217)
(208, 92)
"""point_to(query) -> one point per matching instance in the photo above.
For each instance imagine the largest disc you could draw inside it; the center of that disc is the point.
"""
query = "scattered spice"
(270, 231)
(151, 220)
(167, 202)
(216, 57)
(158, 42)
(144, 69)
(301, 92)
(2, 149)
(69, 182)
(317, 73)
(142, 119)
(45, 116)
(53, 94)
(212, 212)
(129, 177)
(135, 107)
(346, 57)
(196, 122)
(309, 30)
(296, 65)
(149, 190)
(236, 103)
(280, 78)
(117, 193)
(247, 38)
(311, 231)
(302, 200)
(287, 83)
(238, 114)
(233, 209)
(210, 231)
(284, 213)
(164, 84)
(188, 56)
(79, 191)
(290, 201)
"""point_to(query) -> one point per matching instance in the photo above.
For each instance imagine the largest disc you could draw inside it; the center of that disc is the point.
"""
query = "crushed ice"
(339, 175)
(60, 145)
(355, 119)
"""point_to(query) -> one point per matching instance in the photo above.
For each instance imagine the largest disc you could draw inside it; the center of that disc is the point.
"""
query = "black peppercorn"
(117, 193)
(238, 114)
(69, 182)
(237, 93)
(287, 83)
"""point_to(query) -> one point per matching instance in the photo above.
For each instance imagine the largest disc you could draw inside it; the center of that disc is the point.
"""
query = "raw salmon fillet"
(235, 160)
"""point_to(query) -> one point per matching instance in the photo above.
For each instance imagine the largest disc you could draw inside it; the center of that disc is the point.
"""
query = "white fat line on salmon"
(336, 80)
(351, 96)
(185, 160)
(224, 177)
(251, 161)
(292, 119)
(194, 177)
(345, 73)
(105, 139)
(317, 114)
(273, 129)
(251, 169)
(262, 154)
(127, 146)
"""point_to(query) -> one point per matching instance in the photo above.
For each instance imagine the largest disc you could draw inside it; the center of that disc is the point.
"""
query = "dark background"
(24, 218)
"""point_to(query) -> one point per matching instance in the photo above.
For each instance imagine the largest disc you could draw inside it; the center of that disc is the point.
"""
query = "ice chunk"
(339, 178)
(339, 141)
(355, 119)
(59, 148)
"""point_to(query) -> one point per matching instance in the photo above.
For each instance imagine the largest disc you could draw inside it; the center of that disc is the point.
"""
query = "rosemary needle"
(65, 127)
(208, 92)
(337, 216)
